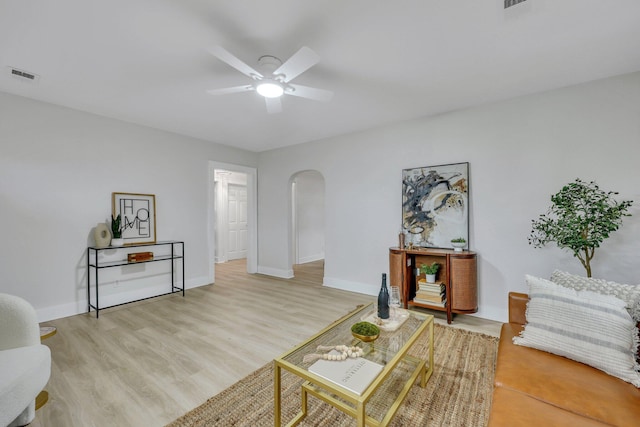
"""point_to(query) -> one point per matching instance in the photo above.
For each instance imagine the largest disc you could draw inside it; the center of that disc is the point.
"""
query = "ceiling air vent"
(24, 76)
(509, 3)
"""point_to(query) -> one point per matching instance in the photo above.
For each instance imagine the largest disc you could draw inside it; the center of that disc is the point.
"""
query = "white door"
(237, 211)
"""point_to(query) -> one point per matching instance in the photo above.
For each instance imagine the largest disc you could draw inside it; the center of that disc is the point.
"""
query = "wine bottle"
(383, 299)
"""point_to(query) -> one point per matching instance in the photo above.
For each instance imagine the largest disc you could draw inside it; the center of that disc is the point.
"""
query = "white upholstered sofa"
(25, 364)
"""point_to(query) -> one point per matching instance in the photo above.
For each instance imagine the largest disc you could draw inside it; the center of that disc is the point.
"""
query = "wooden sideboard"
(458, 274)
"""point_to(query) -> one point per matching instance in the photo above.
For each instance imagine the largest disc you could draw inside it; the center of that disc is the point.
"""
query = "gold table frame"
(399, 369)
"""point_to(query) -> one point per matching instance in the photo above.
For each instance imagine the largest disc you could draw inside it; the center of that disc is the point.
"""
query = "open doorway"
(307, 219)
(232, 215)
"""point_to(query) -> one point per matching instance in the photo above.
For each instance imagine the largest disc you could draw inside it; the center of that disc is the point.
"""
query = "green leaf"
(579, 219)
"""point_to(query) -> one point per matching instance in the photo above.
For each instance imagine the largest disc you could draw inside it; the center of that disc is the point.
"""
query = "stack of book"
(430, 293)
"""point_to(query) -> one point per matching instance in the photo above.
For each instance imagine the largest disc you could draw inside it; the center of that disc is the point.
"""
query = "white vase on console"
(101, 235)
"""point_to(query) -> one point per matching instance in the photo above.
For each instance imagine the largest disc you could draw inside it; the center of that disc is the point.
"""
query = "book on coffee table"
(353, 374)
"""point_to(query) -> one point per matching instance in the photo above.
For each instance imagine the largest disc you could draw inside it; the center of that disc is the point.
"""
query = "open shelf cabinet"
(458, 274)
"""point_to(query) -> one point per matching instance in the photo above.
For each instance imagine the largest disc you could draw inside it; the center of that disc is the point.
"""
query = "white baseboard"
(490, 313)
(239, 255)
(276, 272)
(347, 285)
(62, 310)
(80, 306)
(311, 258)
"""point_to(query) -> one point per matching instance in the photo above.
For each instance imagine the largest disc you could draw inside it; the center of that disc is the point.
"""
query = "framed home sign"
(435, 205)
(138, 216)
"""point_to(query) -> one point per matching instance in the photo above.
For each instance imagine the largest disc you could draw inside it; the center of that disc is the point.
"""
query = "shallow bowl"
(365, 338)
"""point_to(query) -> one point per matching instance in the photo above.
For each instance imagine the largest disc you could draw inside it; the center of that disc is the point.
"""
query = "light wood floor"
(147, 363)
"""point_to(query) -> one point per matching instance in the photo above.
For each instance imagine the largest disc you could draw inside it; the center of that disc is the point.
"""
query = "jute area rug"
(457, 394)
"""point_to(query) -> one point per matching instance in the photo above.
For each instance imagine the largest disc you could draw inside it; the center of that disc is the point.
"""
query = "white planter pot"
(458, 246)
(117, 242)
(431, 278)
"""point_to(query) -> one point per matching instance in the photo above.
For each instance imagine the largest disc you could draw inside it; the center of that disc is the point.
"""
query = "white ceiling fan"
(275, 78)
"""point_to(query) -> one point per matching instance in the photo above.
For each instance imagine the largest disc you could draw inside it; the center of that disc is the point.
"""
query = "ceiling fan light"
(270, 89)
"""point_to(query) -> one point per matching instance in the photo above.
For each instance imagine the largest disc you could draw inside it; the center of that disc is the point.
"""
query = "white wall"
(58, 168)
(310, 209)
(520, 152)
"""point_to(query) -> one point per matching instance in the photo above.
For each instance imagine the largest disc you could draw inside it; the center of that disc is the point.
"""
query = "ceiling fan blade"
(300, 62)
(226, 90)
(273, 105)
(311, 93)
(226, 56)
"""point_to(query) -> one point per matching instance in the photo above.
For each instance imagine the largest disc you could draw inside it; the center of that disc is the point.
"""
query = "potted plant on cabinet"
(116, 231)
(458, 243)
(430, 271)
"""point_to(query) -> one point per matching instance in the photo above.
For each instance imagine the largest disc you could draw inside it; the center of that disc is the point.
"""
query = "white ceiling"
(146, 61)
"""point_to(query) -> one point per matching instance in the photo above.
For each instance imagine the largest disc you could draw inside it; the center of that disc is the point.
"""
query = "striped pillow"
(584, 326)
(627, 293)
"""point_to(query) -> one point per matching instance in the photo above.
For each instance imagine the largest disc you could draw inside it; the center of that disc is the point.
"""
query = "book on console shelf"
(433, 298)
(353, 374)
(430, 286)
(433, 303)
(438, 290)
(431, 292)
(424, 282)
(431, 289)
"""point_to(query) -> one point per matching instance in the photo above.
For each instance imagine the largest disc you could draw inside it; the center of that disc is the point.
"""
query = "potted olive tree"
(581, 216)
(116, 231)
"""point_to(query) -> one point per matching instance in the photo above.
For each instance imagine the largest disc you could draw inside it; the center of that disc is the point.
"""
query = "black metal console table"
(177, 253)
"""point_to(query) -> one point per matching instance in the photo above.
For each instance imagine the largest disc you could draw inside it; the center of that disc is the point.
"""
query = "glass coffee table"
(378, 402)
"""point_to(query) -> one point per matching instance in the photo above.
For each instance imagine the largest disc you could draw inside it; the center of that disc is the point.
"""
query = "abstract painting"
(435, 204)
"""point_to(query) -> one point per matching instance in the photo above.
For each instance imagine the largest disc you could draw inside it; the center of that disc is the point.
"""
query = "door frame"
(252, 215)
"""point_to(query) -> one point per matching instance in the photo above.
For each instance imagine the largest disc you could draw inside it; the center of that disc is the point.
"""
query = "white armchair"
(25, 364)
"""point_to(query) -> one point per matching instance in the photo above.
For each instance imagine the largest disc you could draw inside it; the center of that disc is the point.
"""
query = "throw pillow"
(584, 326)
(627, 293)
